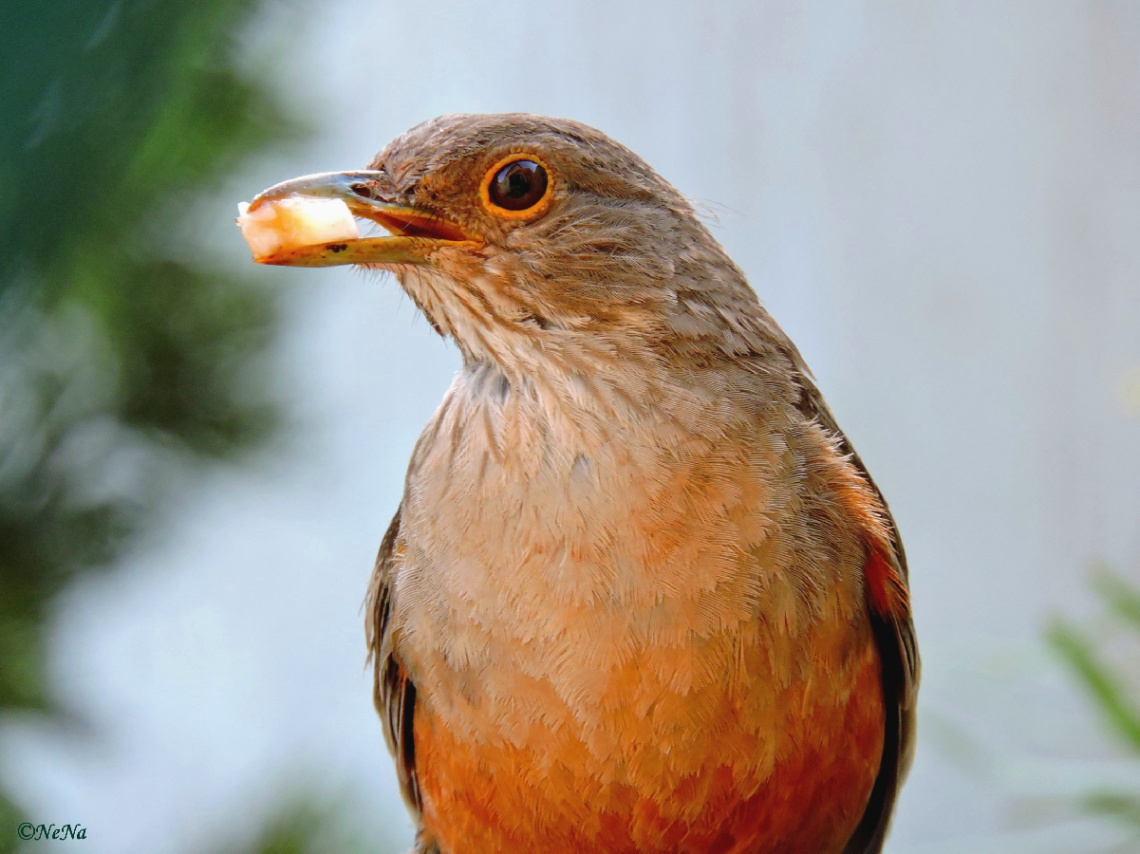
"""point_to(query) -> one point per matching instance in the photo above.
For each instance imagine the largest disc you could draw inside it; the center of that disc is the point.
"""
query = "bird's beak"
(415, 234)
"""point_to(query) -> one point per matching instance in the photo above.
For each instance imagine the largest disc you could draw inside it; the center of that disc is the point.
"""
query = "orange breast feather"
(480, 798)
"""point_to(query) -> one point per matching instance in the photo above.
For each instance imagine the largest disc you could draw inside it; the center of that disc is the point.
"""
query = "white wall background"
(940, 201)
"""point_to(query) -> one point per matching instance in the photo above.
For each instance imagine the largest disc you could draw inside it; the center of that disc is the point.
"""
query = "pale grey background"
(938, 200)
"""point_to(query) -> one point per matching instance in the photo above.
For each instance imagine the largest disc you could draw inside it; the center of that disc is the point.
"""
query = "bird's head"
(515, 233)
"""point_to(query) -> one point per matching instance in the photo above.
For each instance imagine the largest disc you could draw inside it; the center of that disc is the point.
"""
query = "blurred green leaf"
(305, 825)
(1111, 691)
(1106, 689)
(1122, 598)
(1123, 807)
(122, 361)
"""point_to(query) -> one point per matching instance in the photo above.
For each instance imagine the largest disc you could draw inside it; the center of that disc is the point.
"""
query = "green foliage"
(1112, 691)
(1108, 689)
(305, 825)
(121, 361)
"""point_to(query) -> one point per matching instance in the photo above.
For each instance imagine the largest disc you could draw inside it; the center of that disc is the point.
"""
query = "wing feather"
(893, 629)
(394, 693)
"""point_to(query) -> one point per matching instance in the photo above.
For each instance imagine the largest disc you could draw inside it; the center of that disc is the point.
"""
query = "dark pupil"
(519, 185)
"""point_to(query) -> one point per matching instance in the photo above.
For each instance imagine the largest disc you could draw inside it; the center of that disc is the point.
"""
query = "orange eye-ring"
(517, 187)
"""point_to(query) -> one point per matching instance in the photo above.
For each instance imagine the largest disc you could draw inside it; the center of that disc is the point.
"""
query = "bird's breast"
(630, 634)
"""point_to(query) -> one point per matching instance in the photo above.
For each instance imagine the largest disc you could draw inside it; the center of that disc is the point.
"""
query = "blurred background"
(939, 201)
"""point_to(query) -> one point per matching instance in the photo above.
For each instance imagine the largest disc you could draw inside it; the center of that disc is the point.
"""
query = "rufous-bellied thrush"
(640, 595)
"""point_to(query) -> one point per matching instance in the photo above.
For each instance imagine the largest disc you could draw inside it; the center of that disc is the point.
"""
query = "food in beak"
(289, 223)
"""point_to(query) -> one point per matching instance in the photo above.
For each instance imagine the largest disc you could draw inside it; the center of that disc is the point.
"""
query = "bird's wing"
(889, 606)
(393, 692)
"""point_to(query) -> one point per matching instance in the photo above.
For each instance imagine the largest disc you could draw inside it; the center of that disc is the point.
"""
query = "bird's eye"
(517, 187)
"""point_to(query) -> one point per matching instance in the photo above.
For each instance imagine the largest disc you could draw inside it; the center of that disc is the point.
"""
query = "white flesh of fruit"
(289, 223)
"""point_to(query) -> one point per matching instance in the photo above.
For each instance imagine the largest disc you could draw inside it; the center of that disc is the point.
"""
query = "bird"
(640, 594)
